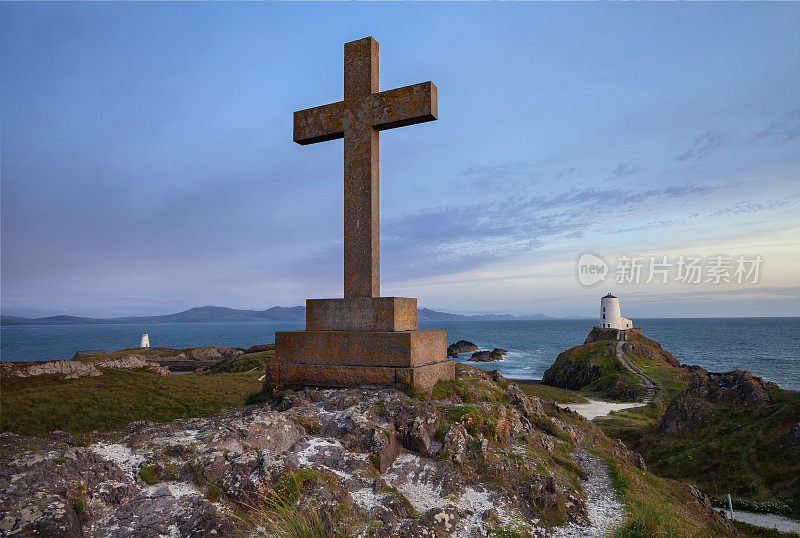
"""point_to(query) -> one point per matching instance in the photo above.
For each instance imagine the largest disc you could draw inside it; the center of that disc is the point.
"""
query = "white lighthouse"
(610, 318)
(145, 341)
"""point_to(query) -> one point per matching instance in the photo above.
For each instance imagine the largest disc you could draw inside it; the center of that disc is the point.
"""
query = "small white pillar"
(145, 341)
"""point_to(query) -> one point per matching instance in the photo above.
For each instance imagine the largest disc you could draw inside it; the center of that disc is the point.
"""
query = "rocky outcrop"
(480, 458)
(159, 360)
(73, 369)
(260, 348)
(194, 359)
(497, 354)
(694, 407)
(462, 346)
(650, 350)
(597, 334)
(571, 374)
(418, 467)
(793, 437)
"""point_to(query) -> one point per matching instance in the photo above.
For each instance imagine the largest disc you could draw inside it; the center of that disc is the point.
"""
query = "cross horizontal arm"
(403, 106)
(319, 124)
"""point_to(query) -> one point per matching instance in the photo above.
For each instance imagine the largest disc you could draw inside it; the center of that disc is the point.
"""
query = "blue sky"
(147, 162)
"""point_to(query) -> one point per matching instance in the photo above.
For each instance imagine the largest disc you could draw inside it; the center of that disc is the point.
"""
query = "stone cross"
(358, 118)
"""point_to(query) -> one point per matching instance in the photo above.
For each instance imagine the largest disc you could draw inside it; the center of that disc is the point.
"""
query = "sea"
(768, 347)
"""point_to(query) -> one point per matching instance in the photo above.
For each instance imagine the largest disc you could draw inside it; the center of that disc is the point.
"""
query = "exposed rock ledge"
(694, 406)
(411, 468)
(73, 369)
(399, 461)
(159, 360)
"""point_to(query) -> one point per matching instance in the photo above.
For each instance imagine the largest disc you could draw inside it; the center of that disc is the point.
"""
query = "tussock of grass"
(78, 505)
(149, 474)
(276, 512)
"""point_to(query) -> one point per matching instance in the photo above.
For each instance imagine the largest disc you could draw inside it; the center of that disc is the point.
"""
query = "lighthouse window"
(604, 316)
(604, 309)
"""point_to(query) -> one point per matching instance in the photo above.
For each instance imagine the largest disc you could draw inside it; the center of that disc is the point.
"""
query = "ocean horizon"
(767, 347)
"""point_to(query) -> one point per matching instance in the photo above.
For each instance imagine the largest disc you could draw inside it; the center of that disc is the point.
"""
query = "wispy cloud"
(703, 145)
(625, 170)
(785, 129)
(746, 208)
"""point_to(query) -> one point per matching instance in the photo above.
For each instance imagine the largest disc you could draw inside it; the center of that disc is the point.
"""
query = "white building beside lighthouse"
(610, 318)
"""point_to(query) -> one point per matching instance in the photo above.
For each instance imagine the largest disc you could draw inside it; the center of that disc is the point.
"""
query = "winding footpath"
(649, 383)
(599, 408)
(606, 512)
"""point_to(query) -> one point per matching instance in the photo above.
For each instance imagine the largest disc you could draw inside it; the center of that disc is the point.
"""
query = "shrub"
(149, 474)
(78, 505)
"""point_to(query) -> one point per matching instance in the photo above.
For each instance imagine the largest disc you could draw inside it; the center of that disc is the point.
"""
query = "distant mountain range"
(220, 314)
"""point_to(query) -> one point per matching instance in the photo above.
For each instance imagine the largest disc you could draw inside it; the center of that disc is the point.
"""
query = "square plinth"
(351, 358)
(357, 348)
(325, 375)
(362, 314)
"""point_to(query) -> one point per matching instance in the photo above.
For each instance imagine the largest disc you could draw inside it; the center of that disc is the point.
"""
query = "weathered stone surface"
(350, 348)
(362, 314)
(358, 451)
(387, 324)
(358, 118)
(324, 375)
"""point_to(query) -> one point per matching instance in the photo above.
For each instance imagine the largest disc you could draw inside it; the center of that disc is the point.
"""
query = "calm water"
(768, 347)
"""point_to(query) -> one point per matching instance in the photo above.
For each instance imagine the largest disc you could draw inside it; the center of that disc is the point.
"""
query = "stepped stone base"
(324, 375)
(361, 314)
(350, 358)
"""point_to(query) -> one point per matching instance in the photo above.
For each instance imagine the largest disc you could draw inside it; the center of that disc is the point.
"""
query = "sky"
(147, 163)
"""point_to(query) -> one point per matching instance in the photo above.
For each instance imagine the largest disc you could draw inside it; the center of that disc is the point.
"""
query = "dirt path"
(769, 521)
(599, 408)
(605, 509)
(649, 383)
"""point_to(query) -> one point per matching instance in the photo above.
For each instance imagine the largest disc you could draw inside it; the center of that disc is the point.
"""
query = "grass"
(78, 505)
(242, 363)
(278, 512)
(39, 405)
(554, 394)
(745, 529)
(149, 474)
(214, 492)
(655, 507)
(593, 368)
(740, 451)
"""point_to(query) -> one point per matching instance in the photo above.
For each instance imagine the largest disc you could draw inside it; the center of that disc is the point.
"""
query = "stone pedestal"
(361, 341)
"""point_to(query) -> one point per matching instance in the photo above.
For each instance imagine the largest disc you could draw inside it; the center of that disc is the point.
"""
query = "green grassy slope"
(593, 367)
(741, 451)
(38, 405)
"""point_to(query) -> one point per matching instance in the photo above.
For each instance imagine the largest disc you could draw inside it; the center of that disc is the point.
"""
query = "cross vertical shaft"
(358, 118)
(361, 173)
